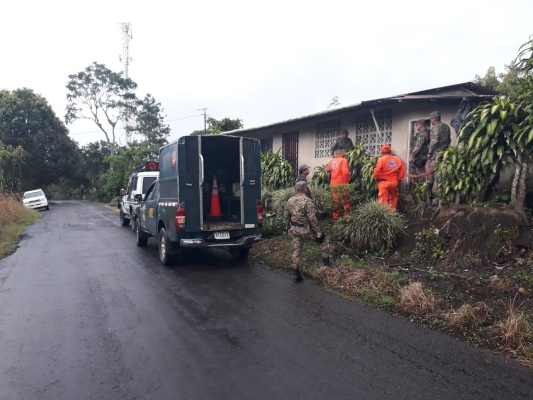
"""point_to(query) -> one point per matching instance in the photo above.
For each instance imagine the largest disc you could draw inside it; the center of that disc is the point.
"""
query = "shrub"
(371, 227)
(276, 172)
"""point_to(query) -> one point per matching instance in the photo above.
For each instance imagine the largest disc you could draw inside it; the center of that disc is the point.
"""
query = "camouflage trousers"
(298, 240)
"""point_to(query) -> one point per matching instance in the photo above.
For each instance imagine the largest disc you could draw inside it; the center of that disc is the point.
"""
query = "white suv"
(35, 199)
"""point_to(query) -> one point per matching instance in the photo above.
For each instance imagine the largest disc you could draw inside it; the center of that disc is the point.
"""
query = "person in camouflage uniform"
(419, 153)
(342, 142)
(439, 140)
(302, 224)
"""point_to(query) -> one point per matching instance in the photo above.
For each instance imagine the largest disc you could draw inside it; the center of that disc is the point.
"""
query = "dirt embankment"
(464, 270)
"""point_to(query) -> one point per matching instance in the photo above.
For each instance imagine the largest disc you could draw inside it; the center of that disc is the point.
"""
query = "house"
(308, 139)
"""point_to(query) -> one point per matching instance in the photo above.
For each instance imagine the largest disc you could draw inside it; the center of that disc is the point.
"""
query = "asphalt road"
(85, 314)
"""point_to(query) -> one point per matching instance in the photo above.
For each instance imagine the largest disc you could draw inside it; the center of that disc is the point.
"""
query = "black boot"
(328, 263)
(297, 277)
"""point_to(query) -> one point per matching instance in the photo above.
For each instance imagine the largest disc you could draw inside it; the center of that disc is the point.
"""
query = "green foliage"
(102, 96)
(215, 126)
(371, 227)
(428, 243)
(27, 121)
(11, 159)
(419, 192)
(148, 122)
(496, 135)
(276, 172)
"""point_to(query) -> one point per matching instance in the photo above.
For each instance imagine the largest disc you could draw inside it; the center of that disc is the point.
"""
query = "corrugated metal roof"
(450, 92)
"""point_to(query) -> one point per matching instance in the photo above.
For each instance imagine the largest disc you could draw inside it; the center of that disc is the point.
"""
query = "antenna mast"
(125, 59)
(126, 37)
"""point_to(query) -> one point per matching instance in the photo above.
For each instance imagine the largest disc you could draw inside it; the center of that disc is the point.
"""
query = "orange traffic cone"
(215, 200)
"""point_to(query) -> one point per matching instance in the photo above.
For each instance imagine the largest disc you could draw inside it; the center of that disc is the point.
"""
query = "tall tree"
(28, 121)
(149, 122)
(103, 96)
(215, 126)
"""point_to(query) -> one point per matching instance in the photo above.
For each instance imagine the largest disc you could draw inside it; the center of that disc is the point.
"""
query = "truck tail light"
(259, 213)
(181, 217)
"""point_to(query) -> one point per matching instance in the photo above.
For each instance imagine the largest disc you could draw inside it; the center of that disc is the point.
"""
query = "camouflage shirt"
(300, 215)
(421, 144)
(439, 138)
(342, 143)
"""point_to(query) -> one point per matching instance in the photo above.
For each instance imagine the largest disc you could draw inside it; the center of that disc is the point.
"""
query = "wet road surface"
(85, 314)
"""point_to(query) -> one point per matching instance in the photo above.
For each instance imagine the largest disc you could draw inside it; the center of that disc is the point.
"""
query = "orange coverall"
(340, 175)
(389, 172)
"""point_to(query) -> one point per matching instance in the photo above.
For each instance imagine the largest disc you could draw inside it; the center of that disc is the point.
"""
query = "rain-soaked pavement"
(85, 314)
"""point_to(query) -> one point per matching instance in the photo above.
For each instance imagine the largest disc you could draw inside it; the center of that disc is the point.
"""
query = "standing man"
(389, 172)
(303, 171)
(342, 142)
(439, 140)
(302, 224)
(340, 175)
(420, 151)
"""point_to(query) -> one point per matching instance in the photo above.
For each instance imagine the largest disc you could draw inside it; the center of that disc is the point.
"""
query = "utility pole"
(205, 119)
(125, 59)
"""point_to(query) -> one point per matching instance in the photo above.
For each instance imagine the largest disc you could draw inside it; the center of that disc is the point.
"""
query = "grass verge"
(14, 218)
(503, 326)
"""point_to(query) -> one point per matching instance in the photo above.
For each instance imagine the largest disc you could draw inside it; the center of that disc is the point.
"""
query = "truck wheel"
(123, 220)
(164, 247)
(239, 254)
(141, 239)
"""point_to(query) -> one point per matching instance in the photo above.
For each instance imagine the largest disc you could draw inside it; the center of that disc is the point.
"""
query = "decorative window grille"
(326, 133)
(367, 134)
(266, 145)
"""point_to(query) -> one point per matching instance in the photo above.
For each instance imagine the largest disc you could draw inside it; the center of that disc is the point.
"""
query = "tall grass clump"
(13, 219)
(371, 227)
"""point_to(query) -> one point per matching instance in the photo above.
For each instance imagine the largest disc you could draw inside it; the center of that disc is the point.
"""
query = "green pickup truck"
(184, 209)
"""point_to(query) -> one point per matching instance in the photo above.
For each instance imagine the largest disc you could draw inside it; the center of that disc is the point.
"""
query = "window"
(147, 181)
(326, 133)
(266, 145)
(290, 148)
(367, 134)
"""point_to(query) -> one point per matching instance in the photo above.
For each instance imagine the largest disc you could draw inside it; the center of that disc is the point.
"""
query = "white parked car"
(35, 199)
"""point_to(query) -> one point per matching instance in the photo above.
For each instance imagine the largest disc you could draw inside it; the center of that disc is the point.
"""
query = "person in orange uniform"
(389, 172)
(340, 175)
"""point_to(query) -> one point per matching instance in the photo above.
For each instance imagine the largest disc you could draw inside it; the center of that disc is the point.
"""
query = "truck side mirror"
(122, 192)
(138, 197)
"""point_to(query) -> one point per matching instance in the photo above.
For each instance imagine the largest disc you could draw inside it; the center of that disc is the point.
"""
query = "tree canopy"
(215, 126)
(107, 98)
(27, 121)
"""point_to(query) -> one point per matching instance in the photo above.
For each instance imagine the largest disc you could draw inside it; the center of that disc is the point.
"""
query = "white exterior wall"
(402, 115)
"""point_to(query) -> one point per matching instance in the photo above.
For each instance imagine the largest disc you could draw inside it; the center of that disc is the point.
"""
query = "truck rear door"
(250, 151)
(190, 179)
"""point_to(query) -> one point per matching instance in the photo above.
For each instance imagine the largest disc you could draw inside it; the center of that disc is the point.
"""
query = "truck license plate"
(221, 235)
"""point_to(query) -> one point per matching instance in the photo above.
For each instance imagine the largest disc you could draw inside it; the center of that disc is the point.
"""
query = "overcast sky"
(258, 61)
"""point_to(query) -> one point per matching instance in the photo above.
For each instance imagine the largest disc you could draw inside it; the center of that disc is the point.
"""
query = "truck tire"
(123, 220)
(141, 239)
(164, 247)
(239, 253)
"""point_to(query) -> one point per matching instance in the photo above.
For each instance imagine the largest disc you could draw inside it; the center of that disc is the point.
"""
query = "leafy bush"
(276, 172)
(371, 227)
(322, 200)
